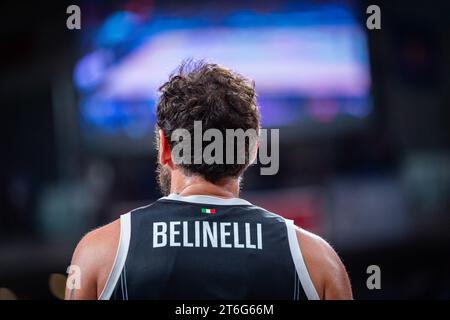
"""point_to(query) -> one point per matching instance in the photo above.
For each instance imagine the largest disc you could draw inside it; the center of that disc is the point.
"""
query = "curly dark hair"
(220, 98)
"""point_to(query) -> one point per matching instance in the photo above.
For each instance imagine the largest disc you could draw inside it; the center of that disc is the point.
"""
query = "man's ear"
(165, 154)
(254, 152)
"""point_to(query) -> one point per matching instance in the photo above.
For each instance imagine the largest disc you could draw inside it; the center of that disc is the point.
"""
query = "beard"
(164, 178)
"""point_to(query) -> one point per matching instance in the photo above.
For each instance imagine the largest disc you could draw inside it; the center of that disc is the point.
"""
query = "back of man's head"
(221, 99)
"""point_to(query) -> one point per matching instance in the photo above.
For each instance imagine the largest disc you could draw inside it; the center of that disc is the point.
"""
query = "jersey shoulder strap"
(121, 257)
(117, 278)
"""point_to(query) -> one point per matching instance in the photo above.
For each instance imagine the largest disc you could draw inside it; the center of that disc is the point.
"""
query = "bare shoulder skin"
(96, 252)
(95, 255)
(325, 267)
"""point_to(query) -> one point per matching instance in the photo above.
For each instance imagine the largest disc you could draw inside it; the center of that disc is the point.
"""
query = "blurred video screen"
(309, 62)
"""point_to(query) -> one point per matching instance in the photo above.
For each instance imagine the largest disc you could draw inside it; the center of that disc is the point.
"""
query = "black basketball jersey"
(203, 247)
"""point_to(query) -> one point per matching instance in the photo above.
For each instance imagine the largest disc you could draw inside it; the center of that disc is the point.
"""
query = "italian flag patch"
(210, 211)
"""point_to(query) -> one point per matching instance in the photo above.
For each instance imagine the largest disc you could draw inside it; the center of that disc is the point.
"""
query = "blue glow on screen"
(307, 64)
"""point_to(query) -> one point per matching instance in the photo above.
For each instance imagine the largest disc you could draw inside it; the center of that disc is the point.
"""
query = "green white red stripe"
(209, 210)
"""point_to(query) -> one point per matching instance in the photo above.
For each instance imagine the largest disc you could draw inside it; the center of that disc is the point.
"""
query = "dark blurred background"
(363, 116)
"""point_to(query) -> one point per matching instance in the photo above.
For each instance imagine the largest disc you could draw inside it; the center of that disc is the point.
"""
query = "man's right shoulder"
(324, 266)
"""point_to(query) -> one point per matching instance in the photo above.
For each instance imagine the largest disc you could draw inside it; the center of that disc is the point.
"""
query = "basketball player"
(201, 241)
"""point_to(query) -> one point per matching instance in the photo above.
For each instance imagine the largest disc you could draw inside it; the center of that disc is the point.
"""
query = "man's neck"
(195, 185)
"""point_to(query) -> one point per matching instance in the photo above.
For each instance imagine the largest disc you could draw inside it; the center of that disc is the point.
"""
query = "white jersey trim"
(203, 199)
(299, 262)
(121, 257)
